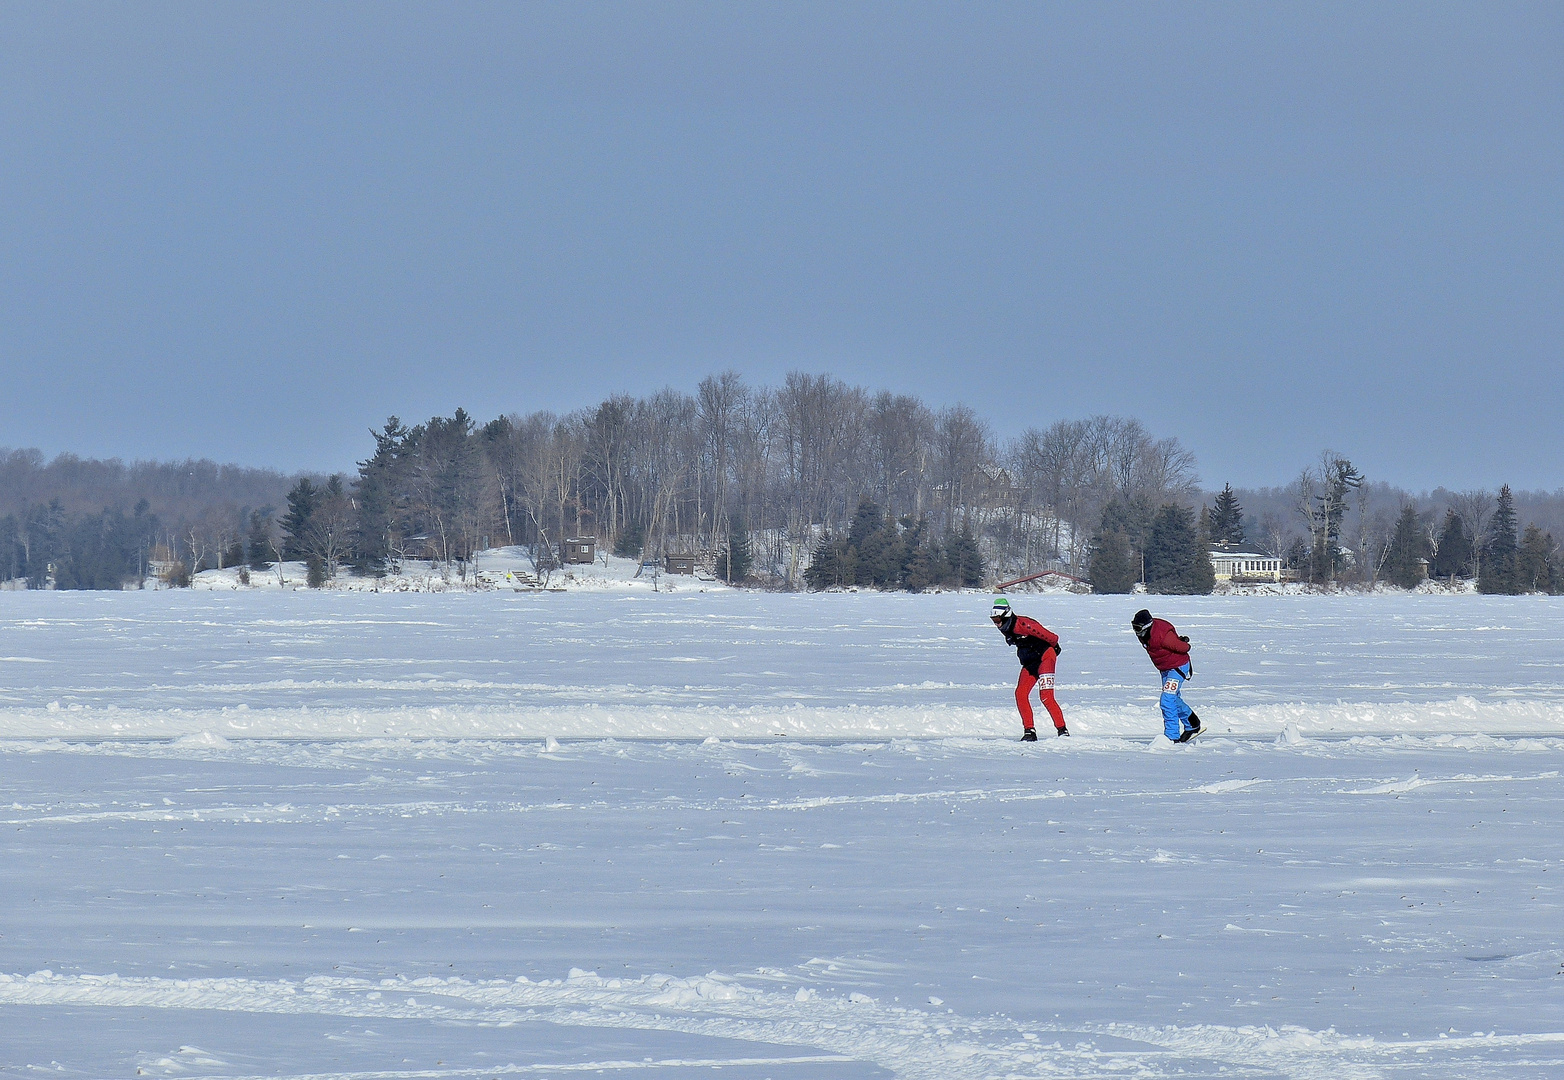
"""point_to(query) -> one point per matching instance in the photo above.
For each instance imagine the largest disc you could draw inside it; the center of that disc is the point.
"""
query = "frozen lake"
(741, 664)
(392, 888)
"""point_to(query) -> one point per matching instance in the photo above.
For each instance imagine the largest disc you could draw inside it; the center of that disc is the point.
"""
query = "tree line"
(1332, 528)
(81, 523)
(809, 484)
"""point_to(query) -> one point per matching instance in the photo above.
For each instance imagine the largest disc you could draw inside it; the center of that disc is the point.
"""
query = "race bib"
(1045, 682)
(1170, 686)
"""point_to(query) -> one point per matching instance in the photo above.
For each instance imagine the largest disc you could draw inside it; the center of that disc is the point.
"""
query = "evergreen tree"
(1227, 519)
(880, 552)
(1535, 569)
(1498, 571)
(910, 547)
(630, 541)
(877, 554)
(380, 492)
(13, 554)
(314, 571)
(1176, 561)
(965, 558)
(1407, 545)
(1111, 569)
(1454, 558)
(1296, 557)
(1339, 478)
(831, 563)
(301, 506)
(1132, 518)
(103, 550)
(259, 542)
(925, 565)
(735, 559)
(46, 541)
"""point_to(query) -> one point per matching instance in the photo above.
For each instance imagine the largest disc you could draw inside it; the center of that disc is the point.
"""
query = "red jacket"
(1164, 647)
(1031, 639)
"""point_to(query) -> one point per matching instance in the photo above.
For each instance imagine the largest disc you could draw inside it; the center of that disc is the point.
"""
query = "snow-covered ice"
(291, 835)
(737, 664)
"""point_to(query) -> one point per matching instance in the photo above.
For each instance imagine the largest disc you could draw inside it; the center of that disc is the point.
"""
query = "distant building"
(679, 564)
(578, 550)
(1244, 566)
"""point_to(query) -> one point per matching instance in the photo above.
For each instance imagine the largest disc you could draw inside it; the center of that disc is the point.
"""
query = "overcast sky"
(251, 232)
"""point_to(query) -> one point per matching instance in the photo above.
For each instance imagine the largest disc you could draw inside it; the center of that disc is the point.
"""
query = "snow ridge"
(911, 1043)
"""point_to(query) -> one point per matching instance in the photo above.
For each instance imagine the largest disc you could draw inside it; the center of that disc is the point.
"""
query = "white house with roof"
(1248, 566)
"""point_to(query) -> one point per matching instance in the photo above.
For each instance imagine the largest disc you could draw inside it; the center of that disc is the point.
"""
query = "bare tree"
(328, 535)
(1475, 509)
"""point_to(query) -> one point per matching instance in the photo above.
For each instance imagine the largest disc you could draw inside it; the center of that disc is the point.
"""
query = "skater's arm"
(1025, 627)
(1166, 638)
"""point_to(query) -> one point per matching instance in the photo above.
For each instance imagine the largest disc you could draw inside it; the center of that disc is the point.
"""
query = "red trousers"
(1044, 681)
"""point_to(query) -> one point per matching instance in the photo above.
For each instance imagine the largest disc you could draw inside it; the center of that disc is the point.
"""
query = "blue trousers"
(1175, 714)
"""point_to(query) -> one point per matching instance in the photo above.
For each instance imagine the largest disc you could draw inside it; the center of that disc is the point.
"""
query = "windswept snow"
(927, 909)
(733, 664)
(1354, 876)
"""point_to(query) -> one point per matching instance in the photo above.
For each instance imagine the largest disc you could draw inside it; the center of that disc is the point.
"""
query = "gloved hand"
(1058, 649)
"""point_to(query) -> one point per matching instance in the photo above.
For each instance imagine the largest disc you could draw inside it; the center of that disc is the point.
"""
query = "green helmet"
(1001, 608)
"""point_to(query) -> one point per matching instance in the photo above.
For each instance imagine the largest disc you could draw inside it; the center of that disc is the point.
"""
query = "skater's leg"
(1024, 697)
(1045, 691)
(1175, 714)
(1054, 712)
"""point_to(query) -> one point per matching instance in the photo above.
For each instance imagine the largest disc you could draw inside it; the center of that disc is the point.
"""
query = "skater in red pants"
(1038, 648)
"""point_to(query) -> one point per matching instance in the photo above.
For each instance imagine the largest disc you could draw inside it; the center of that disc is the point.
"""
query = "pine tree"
(1176, 561)
(923, 565)
(831, 563)
(966, 559)
(1339, 477)
(630, 541)
(259, 541)
(1498, 571)
(1454, 558)
(1133, 519)
(1534, 563)
(301, 506)
(379, 492)
(736, 559)
(1227, 519)
(871, 539)
(1111, 569)
(1407, 545)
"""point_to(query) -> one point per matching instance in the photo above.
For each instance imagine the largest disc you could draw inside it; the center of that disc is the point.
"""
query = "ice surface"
(729, 663)
(1359, 882)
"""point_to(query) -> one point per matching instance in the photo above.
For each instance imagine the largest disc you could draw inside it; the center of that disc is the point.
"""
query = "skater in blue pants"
(1169, 651)
(1176, 713)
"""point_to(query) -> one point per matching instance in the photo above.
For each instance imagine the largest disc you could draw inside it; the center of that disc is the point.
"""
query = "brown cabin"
(679, 564)
(578, 550)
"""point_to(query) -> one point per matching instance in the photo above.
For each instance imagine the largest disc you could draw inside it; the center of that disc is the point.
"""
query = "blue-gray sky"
(251, 232)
